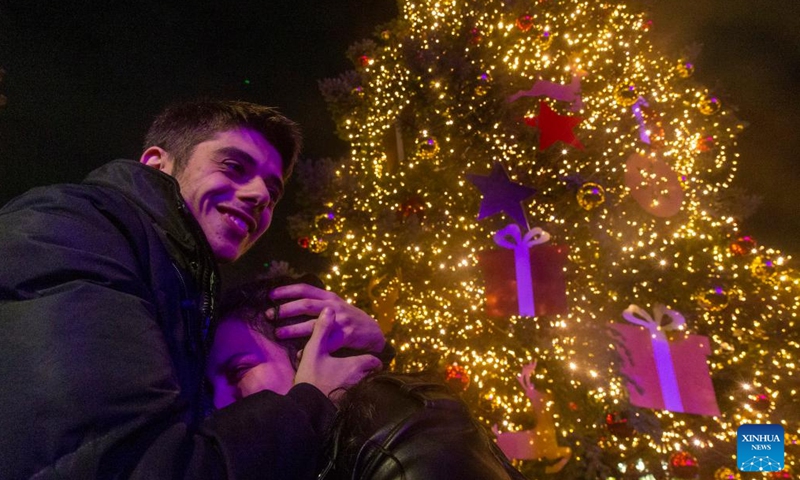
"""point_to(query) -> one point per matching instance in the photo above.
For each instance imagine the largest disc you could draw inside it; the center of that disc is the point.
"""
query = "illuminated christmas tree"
(537, 203)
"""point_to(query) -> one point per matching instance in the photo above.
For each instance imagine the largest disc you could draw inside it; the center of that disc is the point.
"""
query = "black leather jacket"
(106, 292)
(392, 426)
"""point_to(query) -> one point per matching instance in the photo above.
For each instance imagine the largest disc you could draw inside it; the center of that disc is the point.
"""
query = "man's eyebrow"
(238, 155)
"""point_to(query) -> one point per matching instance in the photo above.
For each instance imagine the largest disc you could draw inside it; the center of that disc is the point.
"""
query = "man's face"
(242, 362)
(231, 184)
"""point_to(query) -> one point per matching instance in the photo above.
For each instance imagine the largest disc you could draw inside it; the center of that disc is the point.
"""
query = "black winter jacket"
(106, 291)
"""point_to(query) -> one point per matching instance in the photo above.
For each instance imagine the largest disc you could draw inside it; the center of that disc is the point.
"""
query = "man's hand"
(325, 372)
(359, 331)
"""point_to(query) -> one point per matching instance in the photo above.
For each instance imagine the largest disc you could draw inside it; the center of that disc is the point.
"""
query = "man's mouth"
(244, 222)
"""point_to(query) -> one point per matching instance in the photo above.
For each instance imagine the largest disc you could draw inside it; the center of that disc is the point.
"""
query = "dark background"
(84, 79)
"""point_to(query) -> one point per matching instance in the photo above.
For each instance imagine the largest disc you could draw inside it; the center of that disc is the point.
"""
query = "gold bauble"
(764, 268)
(325, 222)
(317, 244)
(725, 473)
(685, 69)
(591, 195)
(483, 84)
(713, 299)
(709, 105)
(428, 147)
(544, 40)
(625, 94)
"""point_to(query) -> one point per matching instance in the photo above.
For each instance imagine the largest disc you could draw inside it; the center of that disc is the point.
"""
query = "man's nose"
(255, 191)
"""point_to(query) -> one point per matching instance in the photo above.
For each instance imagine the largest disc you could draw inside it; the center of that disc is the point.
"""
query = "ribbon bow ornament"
(511, 237)
(648, 133)
(637, 315)
(540, 442)
(658, 337)
(644, 135)
(570, 92)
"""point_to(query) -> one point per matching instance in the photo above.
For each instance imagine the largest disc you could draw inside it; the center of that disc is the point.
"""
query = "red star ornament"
(554, 127)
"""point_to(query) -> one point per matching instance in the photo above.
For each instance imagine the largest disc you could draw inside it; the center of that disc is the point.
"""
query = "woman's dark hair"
(182, 126)
(250, 301)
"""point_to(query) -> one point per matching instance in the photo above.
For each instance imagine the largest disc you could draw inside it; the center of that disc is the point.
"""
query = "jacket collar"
(158, 195)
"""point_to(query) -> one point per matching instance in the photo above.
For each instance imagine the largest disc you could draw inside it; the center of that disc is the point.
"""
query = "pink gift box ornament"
(526, 277)
(665, 374)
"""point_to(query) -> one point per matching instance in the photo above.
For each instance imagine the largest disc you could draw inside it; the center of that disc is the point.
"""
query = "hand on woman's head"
(324, 371)
(359, 330)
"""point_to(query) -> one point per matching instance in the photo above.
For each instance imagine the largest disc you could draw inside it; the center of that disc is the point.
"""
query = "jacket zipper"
(208, 286)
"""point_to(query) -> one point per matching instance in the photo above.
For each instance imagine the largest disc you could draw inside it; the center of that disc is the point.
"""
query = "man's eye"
(274, 195)
(233, 166)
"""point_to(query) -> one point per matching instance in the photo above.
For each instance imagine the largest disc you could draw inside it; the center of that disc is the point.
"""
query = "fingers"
(300, 290)
(325, 337)
(305, 300)
(329, 374)
(352, 370)
(297, 330)
(321, 328)
(303, 306)
(360, 330)
(360, 367)
(356, 368)
(368, 363)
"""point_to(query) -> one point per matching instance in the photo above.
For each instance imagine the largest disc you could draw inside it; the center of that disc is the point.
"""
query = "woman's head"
(245, 356)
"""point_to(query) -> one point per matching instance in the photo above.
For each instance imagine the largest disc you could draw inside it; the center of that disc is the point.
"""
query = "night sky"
(84, 79)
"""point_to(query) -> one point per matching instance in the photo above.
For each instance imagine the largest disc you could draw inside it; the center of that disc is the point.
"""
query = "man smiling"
(107, 289)
(231, 184)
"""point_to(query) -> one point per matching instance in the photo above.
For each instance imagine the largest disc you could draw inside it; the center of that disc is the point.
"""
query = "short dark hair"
(179, 128)
(250, 301)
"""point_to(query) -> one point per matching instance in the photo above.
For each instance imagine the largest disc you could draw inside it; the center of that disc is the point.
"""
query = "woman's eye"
(236, 373)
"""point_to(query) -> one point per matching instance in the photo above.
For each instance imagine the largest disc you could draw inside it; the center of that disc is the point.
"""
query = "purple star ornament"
(500, 194)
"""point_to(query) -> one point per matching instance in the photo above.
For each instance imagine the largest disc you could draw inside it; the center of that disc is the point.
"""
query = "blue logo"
(759, 448)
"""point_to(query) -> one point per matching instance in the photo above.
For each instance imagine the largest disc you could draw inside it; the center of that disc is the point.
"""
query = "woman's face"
(243, 362)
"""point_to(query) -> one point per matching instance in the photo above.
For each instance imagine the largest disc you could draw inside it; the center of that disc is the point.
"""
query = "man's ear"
(159, 159)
